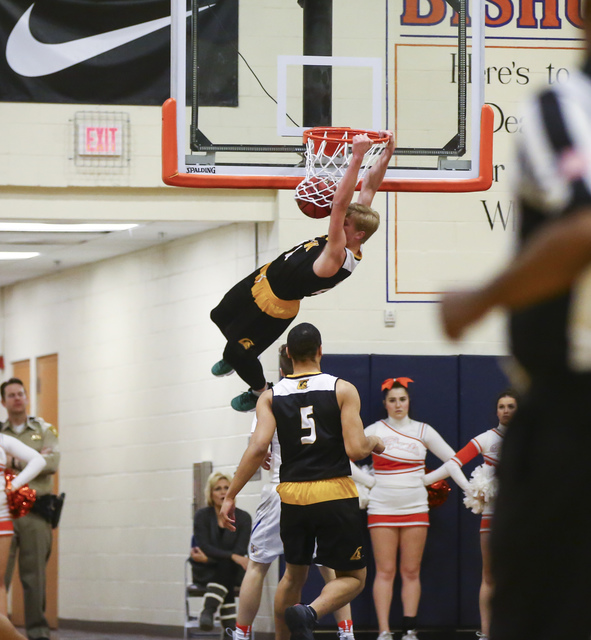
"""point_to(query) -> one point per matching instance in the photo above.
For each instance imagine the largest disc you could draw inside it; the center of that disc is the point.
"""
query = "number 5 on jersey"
(307, 417)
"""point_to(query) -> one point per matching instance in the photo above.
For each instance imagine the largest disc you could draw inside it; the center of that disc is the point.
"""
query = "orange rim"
(338, 134)
(335, 136)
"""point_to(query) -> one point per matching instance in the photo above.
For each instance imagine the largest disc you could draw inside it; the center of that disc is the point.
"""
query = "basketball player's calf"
(339, 535)
(302, 619)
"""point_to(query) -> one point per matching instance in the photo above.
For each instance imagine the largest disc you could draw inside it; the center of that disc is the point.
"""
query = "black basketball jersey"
(309, 428)
(291, 276)
(554, 180)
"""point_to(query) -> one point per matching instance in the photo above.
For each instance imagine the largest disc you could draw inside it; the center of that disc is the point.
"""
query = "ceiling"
(59, 251)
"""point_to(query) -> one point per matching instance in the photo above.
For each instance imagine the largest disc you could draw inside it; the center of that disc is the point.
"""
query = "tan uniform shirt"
(42, 437)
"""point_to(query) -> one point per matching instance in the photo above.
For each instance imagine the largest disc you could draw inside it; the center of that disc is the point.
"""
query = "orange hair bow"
(389, 383)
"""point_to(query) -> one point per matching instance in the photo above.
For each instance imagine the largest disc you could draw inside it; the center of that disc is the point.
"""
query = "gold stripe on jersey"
(303, 493)
(268, 302)
(303, 375)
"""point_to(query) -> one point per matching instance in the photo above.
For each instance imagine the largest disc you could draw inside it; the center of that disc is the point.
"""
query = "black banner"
(111, 51)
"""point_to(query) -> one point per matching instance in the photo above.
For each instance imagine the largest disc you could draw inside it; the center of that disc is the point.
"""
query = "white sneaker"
(410, 635)
(481, 635)
(345, 635)
(385, 635)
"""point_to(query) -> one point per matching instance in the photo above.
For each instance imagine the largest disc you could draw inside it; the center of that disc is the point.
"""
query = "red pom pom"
(319, 191)
(21, 500)
(437, 493)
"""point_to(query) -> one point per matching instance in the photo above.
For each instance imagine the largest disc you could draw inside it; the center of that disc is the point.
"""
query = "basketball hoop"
(328, 152)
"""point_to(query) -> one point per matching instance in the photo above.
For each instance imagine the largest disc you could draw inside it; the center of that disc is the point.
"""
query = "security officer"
(32, 533)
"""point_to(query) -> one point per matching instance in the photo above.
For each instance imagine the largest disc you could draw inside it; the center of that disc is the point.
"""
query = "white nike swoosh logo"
(31, 58)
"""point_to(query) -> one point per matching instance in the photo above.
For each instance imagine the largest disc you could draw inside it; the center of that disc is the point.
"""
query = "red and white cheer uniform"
(489, 445)
(399, 497)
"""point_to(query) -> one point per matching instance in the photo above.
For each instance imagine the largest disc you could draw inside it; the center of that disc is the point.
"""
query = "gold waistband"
(268, 302)
(302, 493)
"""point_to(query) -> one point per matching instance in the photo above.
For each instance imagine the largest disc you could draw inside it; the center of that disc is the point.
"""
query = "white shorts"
(265, 540)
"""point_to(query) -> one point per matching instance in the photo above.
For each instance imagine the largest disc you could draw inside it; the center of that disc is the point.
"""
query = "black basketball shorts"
(239, 318)
(334, 528)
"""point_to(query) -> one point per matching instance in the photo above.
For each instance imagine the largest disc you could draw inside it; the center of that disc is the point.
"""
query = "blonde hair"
(364, 218)
(213, 479)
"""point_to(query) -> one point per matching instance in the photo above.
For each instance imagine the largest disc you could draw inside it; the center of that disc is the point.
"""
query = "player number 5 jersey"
(309, 428)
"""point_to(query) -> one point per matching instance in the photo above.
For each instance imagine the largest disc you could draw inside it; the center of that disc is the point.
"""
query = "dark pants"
(225, 572)
(540, 541)
(248, 330)
(32, 541)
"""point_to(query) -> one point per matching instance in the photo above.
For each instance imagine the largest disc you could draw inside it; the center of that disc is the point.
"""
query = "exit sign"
(100, 140)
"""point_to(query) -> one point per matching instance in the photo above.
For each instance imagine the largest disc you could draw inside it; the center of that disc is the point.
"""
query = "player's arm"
(375, 176)
(333, 256)
(357, 444)
(253, 457)
(546, 267)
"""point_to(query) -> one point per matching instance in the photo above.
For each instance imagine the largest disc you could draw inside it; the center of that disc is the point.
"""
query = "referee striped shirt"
(553, 180)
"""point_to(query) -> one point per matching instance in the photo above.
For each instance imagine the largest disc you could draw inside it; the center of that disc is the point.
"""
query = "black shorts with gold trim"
(334, 527)
(251, 312)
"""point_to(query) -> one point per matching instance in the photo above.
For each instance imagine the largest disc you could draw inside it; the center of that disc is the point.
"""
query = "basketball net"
(328, 153)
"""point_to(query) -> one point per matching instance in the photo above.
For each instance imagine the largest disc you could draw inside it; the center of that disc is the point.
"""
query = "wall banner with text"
(438, 242)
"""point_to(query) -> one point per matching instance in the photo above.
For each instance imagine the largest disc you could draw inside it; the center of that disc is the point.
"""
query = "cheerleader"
(34, 464)
(398, 512)
(481, 490)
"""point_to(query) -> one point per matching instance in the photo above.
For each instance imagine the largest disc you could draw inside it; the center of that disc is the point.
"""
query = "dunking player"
(317, 420)
(541, 556)
(266, 545)
(257, 310)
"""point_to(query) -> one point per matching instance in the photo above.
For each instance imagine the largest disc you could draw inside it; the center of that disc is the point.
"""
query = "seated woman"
(220, 559)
